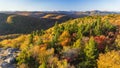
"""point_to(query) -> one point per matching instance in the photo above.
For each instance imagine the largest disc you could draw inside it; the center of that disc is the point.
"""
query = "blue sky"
(59, 5)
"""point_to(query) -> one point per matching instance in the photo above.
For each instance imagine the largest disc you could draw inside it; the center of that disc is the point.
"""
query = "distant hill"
(18, 23)
(74, 14)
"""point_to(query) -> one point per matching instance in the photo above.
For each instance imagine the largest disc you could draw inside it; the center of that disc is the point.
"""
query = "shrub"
(117, 42)
(100, 40)
(70, 54)
(23, 66)
(109, 60)
(65, 38)
(64, 64)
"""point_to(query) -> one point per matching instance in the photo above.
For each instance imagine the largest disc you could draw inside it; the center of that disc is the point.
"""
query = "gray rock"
(1, 49)
(7, 57)
(10, 60)
(3, 57)
(11, 50)
(6, 65)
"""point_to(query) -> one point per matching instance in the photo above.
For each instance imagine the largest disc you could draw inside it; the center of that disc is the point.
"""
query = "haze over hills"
(69, 13)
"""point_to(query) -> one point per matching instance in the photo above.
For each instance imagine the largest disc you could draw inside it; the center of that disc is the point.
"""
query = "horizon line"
(56, 10)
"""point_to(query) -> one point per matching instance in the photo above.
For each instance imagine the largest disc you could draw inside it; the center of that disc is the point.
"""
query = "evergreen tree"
(91, 49)
(87, 29)
(91, 53)
(80, 31)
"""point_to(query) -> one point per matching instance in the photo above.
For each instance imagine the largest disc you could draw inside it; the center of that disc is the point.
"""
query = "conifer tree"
(91, 53)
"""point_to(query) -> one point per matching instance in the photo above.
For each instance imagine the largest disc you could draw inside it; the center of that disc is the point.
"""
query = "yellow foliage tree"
(9, 19)
(117, 41)
(109, 60)
(65, 38)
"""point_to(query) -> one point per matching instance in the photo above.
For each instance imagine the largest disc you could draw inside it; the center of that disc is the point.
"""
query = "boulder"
(6, 65)
(7, 57)
(10, 60)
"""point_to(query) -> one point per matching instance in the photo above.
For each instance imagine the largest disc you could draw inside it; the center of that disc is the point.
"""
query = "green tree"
(86, 31)
(80, 31)
(54, 42)
(91, 53)
(90, 50)
(77, 44)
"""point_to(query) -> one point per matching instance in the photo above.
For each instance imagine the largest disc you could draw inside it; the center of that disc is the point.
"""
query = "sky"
(59, 5)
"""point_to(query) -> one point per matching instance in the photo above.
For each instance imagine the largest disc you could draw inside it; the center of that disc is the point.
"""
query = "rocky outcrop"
(7, 57)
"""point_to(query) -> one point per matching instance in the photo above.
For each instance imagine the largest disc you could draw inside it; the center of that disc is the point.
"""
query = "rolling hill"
(18, 23)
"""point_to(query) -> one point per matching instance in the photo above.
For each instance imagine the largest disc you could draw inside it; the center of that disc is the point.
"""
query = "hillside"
(14, 24)
(88, 42)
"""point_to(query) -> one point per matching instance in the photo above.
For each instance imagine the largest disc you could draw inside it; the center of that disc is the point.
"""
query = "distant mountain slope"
(3, 17)
(74, 14)
(13, 24)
